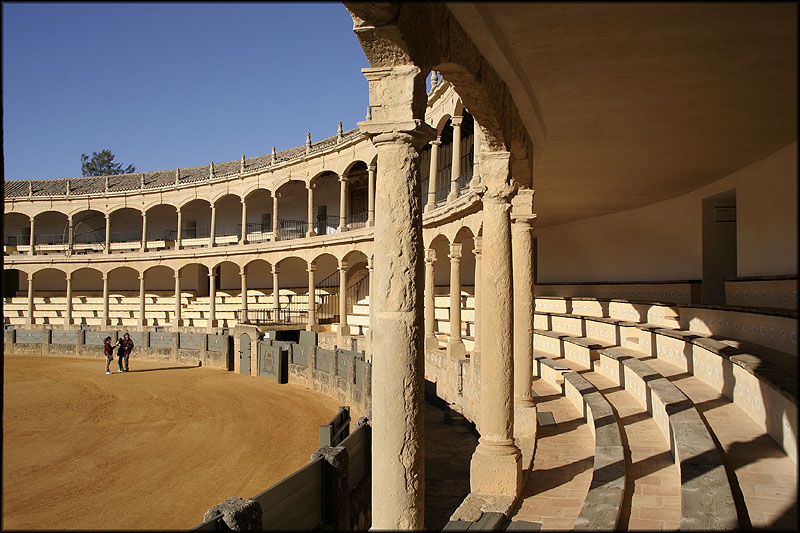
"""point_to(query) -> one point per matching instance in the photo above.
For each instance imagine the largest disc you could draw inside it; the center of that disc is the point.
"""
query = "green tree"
(102, 164)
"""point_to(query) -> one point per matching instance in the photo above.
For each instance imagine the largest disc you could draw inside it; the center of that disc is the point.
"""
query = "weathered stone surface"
(237, 513)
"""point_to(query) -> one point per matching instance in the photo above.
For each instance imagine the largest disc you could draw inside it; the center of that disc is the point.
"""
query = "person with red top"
(124, 352)
(109, 351)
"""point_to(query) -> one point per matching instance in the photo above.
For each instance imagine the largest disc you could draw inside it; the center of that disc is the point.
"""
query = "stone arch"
(292, 209)
(259, 275)
(123, 279)
(444, 120)
(228, 277)
(159, 279)
(441, 267)
(16, 229)
(327, 201)
(49, 280)
(162, 222)
(126, 224)
(259, 202)
(87, 280)
(195, 218)
(88, 226)
(228, 215)
(466, 237)
(52, 227)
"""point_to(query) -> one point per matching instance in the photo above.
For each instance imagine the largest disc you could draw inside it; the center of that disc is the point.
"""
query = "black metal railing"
(259, 231)
(230, 229)
(291, 229)
(326, 225)
(15, 240)
(50, 239)
(357, 220)
(90, 237)
(442, 192)
(126, 236)
(291, 314)
(328, 309)
(196, 233)
(463, 181)
(423, 192)
(161, 234)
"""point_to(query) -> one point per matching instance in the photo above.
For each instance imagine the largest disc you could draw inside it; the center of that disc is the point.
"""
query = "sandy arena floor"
(150, 449)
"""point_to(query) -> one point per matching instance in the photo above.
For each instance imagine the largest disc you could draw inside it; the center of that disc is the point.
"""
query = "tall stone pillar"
(371, 269)
(342, 204)
(455, 346)
(108, 233)
(142, 315)
(106, 317)
(310, 188)
(476, 172)
(243, 297)
(371, 195)
(212, 300)
(398, 130)
(33, 237)
(71, 236)
(341, 328)
(68, 311)
(213, 229)
(275, 228)
(144, 231)
(276, 291)
(177, 321)
(522, 218)
(180, 231)
(29, 318)
(496, 464)
(476, 344)
(243, 236)
(312, 298)
(431, 342)
(455, 166)
(433, 174)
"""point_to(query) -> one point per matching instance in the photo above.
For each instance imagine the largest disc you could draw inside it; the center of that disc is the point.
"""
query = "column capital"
(437, 141)
(104, 275)
(430, 255)
(373, 167)
(243, 200)
(522, 204)
(141, 276)
(311, 268)
(177, 275)
(456, 121)
(311, 185)
(343, 178)
(276, 270)
(275, 195)
(243, 271)
(478, 249)
(455, 251)
(343, 266)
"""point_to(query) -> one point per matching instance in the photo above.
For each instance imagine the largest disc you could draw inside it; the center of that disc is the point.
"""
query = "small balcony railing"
(357, 220)
(291, 229)
(441, 194)
(326, 225)
(200, 232)
(90, 237)
(126, 236)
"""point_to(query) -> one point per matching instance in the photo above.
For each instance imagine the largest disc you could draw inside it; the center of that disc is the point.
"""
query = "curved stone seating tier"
(629, 310)
(673, 291)
(603, 503)
(762, 291)
(776, 328)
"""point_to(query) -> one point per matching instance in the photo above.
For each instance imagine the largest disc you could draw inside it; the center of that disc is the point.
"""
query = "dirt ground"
(150, 449)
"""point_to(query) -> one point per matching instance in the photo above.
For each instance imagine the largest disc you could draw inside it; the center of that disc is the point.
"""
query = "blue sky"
(169, 85)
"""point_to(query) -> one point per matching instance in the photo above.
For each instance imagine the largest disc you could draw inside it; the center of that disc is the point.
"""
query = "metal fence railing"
(196, 233)
(291, 229)
(290, 315)
(126, 236)
(161, 234)
(326, 225)
(357, 220)
(90, 237)
(51, 239)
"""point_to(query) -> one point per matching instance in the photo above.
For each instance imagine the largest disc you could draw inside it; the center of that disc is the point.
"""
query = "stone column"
(29, 319)
(144, 231)
(522, 219)
(177, 322)
(455, 166)
(213, 229)
(455, 345)
(398, 130)
(275, 197)
(433, 174)
(68, 311)
(312, 299)
(341, 328)
(71, 236)
(276, 291)
(476, 174)
(343, 204)
(431, 342)
(496, 464)
(243, 296)
(142, 315)
(310, 188)
(371, 195)
(178, 236)
(106, 317)
(371, 269)
(243, 236)
(33, 239)
(476, 345)
(212, 300)
(108, 233)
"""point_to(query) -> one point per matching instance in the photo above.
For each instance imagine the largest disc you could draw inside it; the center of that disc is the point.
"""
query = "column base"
(341, 229)
(496, 469)
(311, 233)
(524, 401)
(312, 327)
(342, 330)
(212, 323)
(455, 348)
(452, 196)
(141, 322)
(429, 207)
(177, 323)
(431, 343)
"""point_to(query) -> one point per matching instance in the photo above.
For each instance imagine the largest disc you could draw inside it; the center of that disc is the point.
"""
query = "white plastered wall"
(663, 241)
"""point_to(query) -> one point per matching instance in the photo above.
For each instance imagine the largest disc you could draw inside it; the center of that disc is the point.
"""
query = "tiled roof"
(160, 178)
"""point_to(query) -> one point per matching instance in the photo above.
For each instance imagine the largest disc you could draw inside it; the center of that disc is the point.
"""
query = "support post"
(180, 231)
(398, 130)
(275, 197)
(371, 195)
(142, 315)
(243, 236)
(177, 321)
(371, 269)
(496, 467)
(213, 229)
(431, 342)
(71, 236)
(144, 231)
(106, 317)
(455, 166)
(33, 239)
(455, 345)
(342, 204)
(276, 291)
(523, 218)
(108, 233)
(310, 188)
(29, 321)
(243, 296)
(433, 174)
(342, 329)
(312, 299)
(476, 345)
(68, 311)
(212, 300)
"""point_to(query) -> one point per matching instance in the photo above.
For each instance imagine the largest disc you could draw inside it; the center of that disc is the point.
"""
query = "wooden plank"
(522, 525)
(457, 525)
(295, 502)
(489, 522)
(356, 446)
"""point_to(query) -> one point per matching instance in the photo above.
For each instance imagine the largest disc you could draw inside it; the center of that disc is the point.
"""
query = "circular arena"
(153, 448)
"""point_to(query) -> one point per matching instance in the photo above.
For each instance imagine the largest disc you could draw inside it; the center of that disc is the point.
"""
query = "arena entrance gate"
(244, 354)
(273, 361)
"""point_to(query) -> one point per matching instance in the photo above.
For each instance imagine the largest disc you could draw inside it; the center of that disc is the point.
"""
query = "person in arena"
(109, 351)
(124, 352)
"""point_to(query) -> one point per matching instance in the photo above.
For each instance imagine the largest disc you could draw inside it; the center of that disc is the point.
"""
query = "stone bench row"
(762, 291)
(672, 291)
(706, 495)
(776, 328)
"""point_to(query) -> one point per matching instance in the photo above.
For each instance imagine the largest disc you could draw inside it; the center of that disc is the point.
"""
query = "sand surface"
(150, 449)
